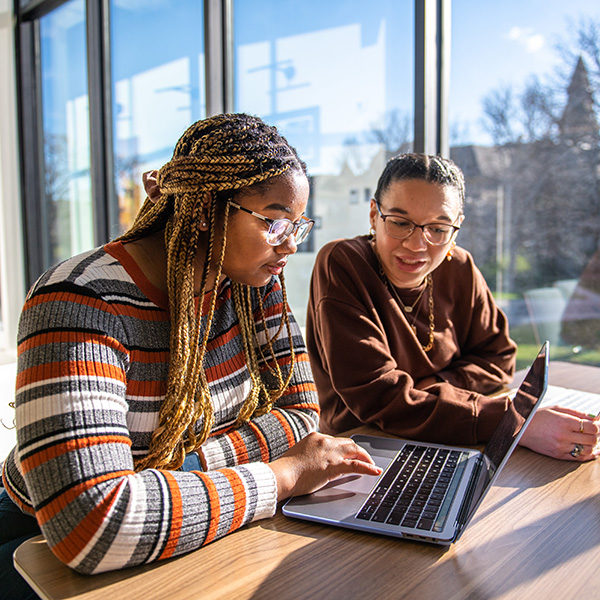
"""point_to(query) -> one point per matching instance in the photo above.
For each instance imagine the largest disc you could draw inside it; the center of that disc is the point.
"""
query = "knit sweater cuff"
(215, 457)
(266, 484)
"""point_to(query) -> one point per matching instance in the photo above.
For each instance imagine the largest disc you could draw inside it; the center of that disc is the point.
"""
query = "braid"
(261, 399)
(214, 156)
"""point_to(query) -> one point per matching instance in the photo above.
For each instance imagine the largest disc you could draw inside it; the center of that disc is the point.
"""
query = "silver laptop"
(427, 492)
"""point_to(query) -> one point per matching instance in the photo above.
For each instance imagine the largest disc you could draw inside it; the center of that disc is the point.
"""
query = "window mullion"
(432, 63)
(100, 114)
(32, 163)
(218, 42)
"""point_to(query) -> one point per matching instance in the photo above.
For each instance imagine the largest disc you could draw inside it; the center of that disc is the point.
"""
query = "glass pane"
(525, 129)
(336, 78)
(67, 205)
(158, 88)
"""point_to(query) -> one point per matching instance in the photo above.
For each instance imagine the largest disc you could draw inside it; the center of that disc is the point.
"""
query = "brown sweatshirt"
(368, 363)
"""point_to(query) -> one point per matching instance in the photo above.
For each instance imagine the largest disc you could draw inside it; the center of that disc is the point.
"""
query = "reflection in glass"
(158, 88)
(336, 78)
(67, 207)
(526, 131)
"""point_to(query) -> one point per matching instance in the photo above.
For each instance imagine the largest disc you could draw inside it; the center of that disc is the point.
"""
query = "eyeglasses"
(281, 229)
(400, 228)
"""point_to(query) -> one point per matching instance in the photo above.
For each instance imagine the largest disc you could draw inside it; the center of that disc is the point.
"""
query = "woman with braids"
(164, 394)
(429, 343)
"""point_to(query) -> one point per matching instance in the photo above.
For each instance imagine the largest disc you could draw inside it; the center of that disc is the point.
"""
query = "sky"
(499, 43)
(323, 71)
(495, 43)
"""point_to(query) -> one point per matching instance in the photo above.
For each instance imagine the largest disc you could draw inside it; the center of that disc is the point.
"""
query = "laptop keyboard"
(416, 490)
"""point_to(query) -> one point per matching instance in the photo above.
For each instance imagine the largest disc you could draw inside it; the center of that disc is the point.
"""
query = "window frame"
(432, 43)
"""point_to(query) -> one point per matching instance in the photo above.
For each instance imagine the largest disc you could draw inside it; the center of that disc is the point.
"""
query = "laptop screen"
(530, 391)
(508, 432)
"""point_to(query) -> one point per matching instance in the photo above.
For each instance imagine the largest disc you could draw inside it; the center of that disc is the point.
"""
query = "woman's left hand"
(563, 433)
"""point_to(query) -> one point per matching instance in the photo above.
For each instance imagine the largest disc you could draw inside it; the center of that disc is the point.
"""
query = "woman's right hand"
(316, 460)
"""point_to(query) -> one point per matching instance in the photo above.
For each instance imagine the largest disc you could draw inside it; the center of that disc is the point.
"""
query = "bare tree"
(499, 110)
(56, 195)
(528, 116)
(393, 131)
(551, 184)
(538, 111)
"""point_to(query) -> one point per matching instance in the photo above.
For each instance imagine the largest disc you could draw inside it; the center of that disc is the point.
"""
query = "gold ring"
(581, 426)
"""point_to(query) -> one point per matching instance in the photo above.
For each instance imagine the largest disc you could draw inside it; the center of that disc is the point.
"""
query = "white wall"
(8, 433)
(11, 240)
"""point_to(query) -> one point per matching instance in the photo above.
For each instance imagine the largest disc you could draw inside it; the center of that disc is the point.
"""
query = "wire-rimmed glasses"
(281, 229)
(400, 228)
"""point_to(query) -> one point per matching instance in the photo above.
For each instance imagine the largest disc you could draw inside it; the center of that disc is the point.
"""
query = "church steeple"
(578, 123)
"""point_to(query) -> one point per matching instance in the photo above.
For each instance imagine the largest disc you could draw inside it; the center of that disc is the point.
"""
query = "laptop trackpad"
(348, 486)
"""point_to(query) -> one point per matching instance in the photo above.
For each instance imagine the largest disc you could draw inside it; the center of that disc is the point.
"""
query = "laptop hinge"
(464, 511)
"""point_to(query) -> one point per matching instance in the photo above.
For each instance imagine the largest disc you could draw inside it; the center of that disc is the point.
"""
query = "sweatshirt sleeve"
(367, 363)
(487, 356)
(74, 449)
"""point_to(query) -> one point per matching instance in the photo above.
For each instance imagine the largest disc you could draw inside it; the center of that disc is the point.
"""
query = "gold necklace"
(410, 308)
(429, 285)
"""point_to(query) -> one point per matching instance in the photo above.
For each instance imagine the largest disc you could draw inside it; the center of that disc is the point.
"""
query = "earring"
(372, 233)
(449, 253)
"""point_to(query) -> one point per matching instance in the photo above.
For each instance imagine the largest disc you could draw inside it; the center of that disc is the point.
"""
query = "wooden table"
(537, 535)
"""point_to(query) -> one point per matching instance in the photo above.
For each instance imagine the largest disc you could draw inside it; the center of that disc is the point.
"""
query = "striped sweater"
(93, 359)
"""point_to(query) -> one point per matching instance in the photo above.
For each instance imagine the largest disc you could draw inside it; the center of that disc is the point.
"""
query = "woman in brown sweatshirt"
(403, 331)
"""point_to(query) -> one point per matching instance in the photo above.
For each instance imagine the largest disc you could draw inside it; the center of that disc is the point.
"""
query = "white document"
(586, 402)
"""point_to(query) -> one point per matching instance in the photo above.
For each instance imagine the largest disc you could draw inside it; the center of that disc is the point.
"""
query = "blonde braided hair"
(213, 158)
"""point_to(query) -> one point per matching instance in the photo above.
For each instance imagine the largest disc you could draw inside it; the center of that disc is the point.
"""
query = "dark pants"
(15, 528)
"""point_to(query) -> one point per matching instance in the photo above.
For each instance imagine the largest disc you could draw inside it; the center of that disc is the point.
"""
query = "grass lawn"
(528, 349)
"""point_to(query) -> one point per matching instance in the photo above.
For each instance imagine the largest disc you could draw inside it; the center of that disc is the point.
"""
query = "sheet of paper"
(583, 401)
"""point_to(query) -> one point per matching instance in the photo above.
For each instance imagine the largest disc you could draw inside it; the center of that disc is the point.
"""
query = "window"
(141, 61)
(157, 65)
(524, 127)
(348, 83)
(66, 208)
(336, 78)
